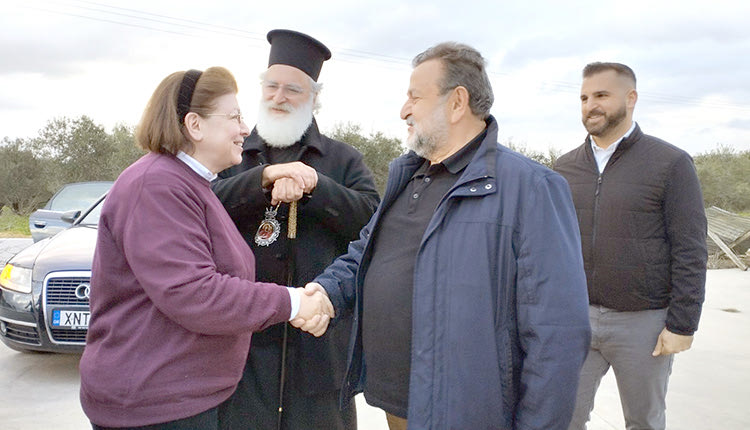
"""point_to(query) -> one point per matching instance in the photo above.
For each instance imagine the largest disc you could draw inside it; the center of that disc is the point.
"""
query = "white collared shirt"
(197, 167)
(603, 155)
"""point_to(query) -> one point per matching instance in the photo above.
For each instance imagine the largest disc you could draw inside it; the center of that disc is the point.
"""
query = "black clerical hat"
(297, 50)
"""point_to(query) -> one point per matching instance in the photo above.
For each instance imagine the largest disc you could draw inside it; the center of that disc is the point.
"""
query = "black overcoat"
(341, 204)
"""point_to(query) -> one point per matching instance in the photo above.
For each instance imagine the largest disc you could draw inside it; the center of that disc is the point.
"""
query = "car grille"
(60, 290)
(68, 336)
(20, 333)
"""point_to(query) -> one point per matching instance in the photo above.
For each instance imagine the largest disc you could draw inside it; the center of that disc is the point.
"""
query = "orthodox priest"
(286, 159)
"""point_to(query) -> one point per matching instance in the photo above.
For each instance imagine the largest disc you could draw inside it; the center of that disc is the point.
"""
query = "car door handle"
(40, 224)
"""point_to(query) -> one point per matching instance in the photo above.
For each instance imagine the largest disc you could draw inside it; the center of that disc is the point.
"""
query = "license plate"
(70, 319)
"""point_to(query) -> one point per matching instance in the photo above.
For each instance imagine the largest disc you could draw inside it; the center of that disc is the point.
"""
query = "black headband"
(185, 96)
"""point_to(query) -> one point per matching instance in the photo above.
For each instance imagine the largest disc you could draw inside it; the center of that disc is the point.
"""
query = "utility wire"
(182, 27)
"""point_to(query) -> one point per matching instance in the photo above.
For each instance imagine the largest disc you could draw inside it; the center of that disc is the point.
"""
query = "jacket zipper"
(596, 209)
(596, 222)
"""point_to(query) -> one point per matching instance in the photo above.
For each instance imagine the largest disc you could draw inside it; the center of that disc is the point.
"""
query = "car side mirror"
(70, 216)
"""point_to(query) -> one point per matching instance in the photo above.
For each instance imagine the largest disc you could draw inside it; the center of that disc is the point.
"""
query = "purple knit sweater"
(173, 300)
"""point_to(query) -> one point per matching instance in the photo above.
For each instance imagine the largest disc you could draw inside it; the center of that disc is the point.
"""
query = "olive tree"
(66, 150)
(377, 149)
(22, 177)
(724, 174)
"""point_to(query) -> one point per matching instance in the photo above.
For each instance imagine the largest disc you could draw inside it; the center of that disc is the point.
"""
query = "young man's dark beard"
(610, 122)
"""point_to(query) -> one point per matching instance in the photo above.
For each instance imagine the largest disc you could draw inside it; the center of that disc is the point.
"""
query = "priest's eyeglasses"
(289, 90)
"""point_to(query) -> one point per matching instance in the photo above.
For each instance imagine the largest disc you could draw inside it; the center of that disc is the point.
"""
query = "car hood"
(71, 249)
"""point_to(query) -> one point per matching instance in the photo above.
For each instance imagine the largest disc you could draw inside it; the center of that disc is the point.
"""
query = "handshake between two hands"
(315, 310)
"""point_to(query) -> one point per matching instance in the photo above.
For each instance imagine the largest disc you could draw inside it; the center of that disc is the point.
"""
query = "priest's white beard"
(281, 131)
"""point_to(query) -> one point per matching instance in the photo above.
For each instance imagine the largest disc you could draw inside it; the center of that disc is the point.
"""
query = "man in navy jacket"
(467, 285)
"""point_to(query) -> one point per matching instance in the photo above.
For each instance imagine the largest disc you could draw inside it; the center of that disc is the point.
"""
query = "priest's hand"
(303, 175)
(286, 190)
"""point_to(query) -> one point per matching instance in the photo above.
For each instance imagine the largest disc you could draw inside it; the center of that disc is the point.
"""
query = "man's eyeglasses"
(231, 116)
(291, 90)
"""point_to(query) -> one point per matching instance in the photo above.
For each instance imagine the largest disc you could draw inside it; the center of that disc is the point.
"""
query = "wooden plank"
(726, 250)
(740, 239)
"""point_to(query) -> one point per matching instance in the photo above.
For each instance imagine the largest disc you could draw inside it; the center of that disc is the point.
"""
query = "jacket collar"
(311, 139)
(486, 149)
(485, 159)
(630, 140)
(481, 167)
(623, 146)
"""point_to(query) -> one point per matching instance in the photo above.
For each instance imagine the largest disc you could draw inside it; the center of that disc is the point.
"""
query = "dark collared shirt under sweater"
(389, 282)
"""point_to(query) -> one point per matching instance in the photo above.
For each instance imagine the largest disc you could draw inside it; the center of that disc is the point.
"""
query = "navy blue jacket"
(500, 309)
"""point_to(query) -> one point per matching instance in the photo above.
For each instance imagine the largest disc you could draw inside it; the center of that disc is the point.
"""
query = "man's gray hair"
(315, 89)
(465, 67)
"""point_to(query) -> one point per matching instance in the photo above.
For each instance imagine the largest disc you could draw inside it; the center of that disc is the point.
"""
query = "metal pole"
(291, 235)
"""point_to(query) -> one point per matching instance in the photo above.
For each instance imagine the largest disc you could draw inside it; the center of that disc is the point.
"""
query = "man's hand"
(285, 190)
(315, 311)
(303, 175)
(671, 343)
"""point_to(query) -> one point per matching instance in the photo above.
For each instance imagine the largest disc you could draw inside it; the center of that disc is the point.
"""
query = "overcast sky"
(104, 59)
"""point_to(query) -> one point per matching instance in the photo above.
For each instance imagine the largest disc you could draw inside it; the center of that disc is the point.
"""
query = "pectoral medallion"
(269, 228)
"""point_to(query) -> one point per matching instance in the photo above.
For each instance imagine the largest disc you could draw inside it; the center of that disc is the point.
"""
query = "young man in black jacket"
(643, 235)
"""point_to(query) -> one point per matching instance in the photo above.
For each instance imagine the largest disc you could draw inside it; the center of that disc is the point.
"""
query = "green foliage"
(12, 224)
(724, 174)
(23, 177)
(124, 149)
(377, 149)
(71, 150)
(81, 150)
(547, 159)
(66, 150)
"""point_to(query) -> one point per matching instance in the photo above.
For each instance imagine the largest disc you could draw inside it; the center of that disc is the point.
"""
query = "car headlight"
(16, 278)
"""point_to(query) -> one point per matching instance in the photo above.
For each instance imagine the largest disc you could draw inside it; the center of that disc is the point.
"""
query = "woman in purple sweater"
(173, 292)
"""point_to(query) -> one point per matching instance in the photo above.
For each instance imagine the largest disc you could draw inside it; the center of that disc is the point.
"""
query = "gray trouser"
(625, 340)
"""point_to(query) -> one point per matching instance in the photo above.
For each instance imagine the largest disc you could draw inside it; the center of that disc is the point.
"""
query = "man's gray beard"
(281, 131)
(424, 146)
(425, 142)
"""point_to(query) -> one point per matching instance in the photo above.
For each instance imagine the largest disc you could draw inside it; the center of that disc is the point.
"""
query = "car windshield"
(78, 196)
(92, 218)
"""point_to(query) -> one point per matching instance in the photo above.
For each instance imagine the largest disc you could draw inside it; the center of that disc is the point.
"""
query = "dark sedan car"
(44, 302)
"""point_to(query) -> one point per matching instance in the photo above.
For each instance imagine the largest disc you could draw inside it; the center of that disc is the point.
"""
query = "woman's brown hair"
(160, 128)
